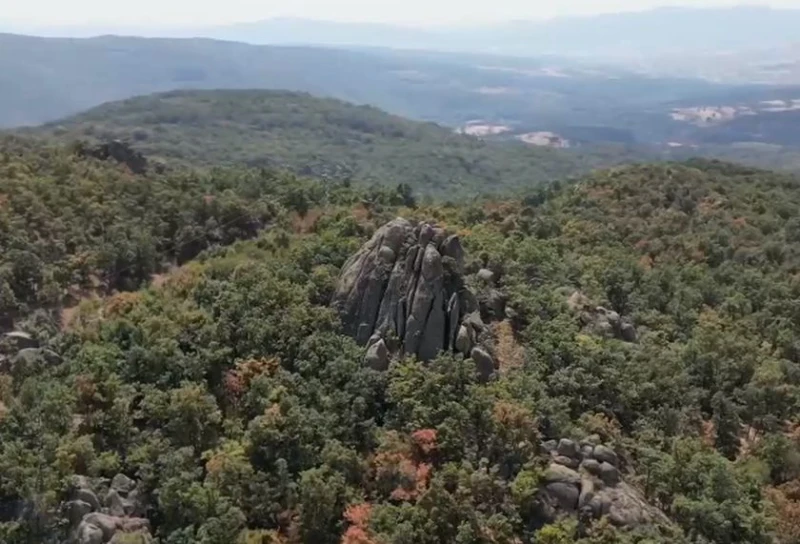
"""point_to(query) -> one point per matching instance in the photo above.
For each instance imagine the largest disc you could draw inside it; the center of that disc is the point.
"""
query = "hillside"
(535, 93)
(73, 226)
(323, 138)
(639, 325)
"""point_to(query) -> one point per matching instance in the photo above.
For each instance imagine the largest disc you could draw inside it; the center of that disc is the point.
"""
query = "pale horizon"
(176, 14)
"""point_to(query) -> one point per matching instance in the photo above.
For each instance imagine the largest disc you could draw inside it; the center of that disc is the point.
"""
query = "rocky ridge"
(403, 293)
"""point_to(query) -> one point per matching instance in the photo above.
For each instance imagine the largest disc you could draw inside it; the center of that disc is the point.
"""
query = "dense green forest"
(225, 403)
(72, 225)
(323, 138)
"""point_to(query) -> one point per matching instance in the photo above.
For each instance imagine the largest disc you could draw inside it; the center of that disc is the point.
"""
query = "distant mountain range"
(634, 34)
(545, 100)
(43, 79)
(321, 138)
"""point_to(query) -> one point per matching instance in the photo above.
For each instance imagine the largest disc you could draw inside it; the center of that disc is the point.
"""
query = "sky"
(185, 13)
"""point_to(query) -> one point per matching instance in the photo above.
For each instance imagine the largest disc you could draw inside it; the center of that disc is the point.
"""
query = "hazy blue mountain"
(636, 33)
(42, 79)
(650, 32)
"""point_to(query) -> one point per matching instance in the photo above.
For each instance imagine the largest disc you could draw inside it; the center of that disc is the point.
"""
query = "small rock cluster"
(112, 519)
(584, 478)
(20, 349)
(403, 292)
(602, 321)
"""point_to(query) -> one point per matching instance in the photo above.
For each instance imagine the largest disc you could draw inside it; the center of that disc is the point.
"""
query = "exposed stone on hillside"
(118, 151)
(585, 480)
(115, 518)
(19, 351)
(403, 292)
(602, 321)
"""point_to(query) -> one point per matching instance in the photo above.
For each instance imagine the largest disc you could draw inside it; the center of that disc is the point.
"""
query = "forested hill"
(642, 326)
(323, 138)
(73, 226)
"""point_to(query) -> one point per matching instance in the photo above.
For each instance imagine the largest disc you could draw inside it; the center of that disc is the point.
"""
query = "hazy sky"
(202, 12)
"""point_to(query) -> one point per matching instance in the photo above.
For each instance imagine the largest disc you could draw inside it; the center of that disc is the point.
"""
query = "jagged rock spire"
(403, 291)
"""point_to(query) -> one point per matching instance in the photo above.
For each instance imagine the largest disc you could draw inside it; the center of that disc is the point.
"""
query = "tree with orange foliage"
(358, 532)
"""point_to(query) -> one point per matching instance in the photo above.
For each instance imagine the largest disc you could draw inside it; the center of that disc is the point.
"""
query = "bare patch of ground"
(545, 139)
(482, 128)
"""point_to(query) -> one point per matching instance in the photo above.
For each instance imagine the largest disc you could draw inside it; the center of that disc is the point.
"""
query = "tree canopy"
(227, 392)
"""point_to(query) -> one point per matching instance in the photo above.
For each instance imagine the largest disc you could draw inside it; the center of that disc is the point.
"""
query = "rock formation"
(602, 321)
(584, 478)
(403, 292)
(21, 350)
(112, 519)
(118, 151)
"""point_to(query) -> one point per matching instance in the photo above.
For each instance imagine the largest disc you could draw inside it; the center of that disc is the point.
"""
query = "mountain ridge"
(624, 33)
(319, 137)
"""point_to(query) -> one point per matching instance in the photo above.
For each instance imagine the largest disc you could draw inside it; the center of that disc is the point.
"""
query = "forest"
(178, 371)
(320, 138)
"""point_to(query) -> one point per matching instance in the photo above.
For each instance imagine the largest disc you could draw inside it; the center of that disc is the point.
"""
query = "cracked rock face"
(404, 289)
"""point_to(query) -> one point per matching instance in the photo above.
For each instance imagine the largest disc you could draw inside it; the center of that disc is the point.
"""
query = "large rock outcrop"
(403, 292)
(584, 478)
(102, 512)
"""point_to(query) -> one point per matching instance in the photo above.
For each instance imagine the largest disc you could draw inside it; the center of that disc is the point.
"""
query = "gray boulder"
(627, 332)
(483, 362)
(107, 528)
(494, 304)
(625, 506)
(122, 484)
(115, 504)
(561, 474)
(549, 446)
(568, 448)
(28, 357)
(107, 524)
(21, 340)
(377, 357)
(463, 341)
(562, 496)
(609, 474)
(605, 454)
(76, 510)
(452, 248)
(569, 462)
(561, 491)
(486, 276)
(592, 466)
(88, 496)
(89, 534)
